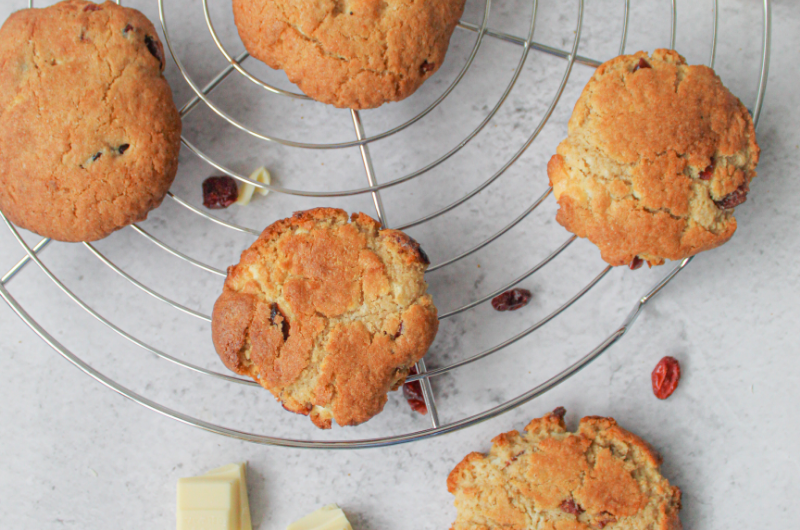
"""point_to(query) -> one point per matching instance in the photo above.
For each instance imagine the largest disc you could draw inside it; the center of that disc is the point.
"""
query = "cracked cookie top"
(89, 134)
(551, 479)
(354, 54)
(326, 314)
(658, 154)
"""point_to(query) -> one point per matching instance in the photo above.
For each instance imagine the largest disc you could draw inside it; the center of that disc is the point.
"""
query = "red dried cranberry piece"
(511, 300)
(642, 64)
(91, 7)
(219, 192)
(570, 506)
(123, 148)
(559, 412)
(514, 458)
(412, 391)
(665, 377)
(399, 331)
(708, 172)
(127, 28)
(155, 48)
(426, 67)
(274, 312)
(636, 263)
(734, 199)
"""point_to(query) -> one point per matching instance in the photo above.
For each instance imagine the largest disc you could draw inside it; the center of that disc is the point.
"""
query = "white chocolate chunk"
(263, 176)
(238, 472)
(329, 517)
(215, 501)
(206, 520)
(246, 189)
(208, 504)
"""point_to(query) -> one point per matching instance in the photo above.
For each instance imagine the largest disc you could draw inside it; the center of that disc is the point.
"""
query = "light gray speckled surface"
(76, 455)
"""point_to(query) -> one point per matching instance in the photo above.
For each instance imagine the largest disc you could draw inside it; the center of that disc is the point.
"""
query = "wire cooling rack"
(481, 32)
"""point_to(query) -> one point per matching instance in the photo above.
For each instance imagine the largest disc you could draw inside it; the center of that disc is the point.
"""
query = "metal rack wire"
(482, 31)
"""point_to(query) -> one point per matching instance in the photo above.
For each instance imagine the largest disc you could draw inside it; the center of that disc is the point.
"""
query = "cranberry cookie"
(658, 154)
(551, 479)
(354, 54)
(327, 315)
(89, 134)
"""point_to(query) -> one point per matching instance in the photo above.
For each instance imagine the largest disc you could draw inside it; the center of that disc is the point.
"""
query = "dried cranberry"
(636, 263)
(412, 391)
(426, 67)
(734, 199)
(274, 312)
(514, 458)
(155, 48)
(559, 412)
(219, 192)
(511, 300)
(708, 172)
(123, 148)
(570, 506)
(127, 28)
(399, 331)
(642, 64)
(92, 7)
(665, 377)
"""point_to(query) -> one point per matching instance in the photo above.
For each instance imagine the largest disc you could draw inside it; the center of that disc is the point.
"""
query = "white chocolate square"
(329, 517)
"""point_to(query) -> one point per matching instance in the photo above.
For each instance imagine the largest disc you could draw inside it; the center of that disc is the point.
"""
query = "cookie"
(658, 154)
(326, 314)
(89, 134)
(354, 54)
(551, 479)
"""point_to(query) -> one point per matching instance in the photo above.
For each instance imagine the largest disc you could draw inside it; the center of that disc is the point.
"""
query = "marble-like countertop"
(77, 455)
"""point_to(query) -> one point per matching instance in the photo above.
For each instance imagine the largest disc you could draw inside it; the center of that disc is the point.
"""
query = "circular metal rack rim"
(31, 254)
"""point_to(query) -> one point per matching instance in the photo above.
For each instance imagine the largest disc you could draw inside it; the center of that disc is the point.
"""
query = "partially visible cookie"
(326, 314)
(658, 154)
(89, 133)
(548, 478)
(354, 54)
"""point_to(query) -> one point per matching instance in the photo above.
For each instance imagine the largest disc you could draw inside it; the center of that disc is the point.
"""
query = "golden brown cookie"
(89, 134)
(658, 154)
(327, 315)
(547, 478)
(354, 54)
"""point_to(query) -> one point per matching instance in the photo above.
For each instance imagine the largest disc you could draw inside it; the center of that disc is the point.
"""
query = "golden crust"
(546, 477)
(354, 54)
(658, 151)
(326, 314)
(89, 133)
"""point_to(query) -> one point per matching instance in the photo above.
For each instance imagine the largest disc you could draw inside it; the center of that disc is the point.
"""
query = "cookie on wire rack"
(551, 479)
(326, 314)
(658, 155)
(89, 133)
(356, 54)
